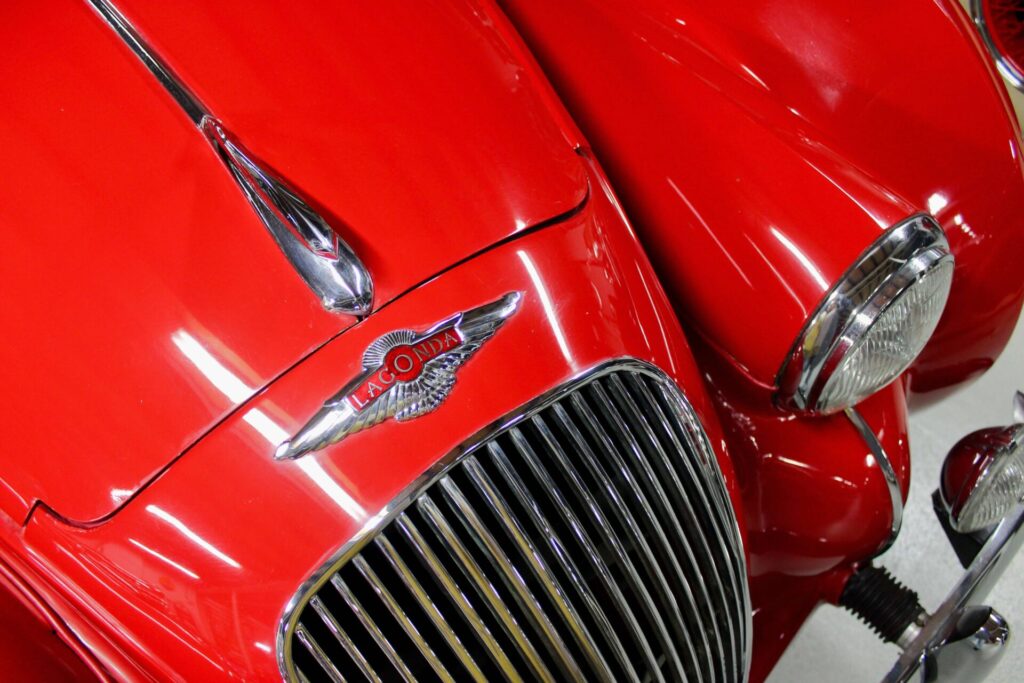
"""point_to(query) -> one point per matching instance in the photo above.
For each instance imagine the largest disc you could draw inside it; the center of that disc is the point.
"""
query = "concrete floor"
(833, 645)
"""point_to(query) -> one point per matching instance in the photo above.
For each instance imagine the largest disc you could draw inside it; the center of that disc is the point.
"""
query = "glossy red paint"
(162, 573)
(133, 269)
(760, 147)
(815, 501)
(843, 512)
(419, 127)
(782, 604)
(31, 650)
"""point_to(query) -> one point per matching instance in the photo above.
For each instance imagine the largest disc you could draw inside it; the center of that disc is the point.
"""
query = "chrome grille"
(588, 537)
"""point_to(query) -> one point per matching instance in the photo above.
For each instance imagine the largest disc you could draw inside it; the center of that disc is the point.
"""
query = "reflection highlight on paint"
(163, 558)
(803, 258)
(237, 391)
(545, 301)
(198, 540)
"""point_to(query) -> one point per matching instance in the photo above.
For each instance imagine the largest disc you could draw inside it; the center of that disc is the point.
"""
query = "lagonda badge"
(405, 375)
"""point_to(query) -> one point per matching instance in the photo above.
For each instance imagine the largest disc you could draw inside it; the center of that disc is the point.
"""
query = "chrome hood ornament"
(322, 259)
(405, 375)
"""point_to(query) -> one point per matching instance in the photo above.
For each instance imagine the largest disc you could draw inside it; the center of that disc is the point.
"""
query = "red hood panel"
(418, 128)
(143, 299)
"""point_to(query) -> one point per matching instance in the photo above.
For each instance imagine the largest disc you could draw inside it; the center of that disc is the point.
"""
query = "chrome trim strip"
(500, 562)
(382, 592)
(478, 579)
(593, 555)
(177, 89)
(346, 643)
(540, 571)
(903, 254)
(1007, 68)
(975, 583)
(483, 634)
(682, 424)
(885, 465)
(325, 262)
(428, 607)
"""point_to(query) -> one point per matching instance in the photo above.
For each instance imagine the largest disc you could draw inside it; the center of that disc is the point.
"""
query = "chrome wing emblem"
(405, 375)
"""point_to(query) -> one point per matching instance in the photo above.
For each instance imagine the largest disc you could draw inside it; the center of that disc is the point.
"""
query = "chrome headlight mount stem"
(816, 376)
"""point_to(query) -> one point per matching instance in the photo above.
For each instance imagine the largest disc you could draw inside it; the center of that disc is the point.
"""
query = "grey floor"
(833, 645)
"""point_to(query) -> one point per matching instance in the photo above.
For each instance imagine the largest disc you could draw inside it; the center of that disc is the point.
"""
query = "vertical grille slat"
(637, 536)
(512, 579)
(649, 490)
(343, 639)
(590, 549)
(371, 627)
(440, 574)
(400, 616)
(429, 608)
(612, 546)
(546, 532)
(314, 649)
(714, 511)
(588, 537)
(539, 569)
(641, 440)
(486, 591)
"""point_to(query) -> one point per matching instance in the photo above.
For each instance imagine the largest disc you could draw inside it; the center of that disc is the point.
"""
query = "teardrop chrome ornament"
(325, 262)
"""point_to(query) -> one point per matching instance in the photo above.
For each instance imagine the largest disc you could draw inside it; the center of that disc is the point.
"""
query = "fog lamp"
(983, 477)
(873, 323)
(1001, 24)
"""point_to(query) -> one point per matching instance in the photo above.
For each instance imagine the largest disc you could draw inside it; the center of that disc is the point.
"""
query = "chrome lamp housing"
(873, 323)
(983, 477)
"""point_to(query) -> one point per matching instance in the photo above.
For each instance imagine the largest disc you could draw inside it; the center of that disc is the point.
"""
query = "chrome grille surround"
(586, 536)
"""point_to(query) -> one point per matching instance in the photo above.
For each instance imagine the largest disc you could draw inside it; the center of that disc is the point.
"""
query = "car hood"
(143, 299)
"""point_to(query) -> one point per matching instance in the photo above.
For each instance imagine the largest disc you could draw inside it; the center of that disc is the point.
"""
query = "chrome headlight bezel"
(902, 256)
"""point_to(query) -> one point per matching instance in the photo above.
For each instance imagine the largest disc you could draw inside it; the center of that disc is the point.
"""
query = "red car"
(476, 340)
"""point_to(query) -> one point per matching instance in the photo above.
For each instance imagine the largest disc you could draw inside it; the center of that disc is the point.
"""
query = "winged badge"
(405, 375)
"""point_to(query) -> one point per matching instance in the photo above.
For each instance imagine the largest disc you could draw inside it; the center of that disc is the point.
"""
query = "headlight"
(873, 323)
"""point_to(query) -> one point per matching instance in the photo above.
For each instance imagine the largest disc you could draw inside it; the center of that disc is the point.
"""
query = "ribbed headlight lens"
(873, 323)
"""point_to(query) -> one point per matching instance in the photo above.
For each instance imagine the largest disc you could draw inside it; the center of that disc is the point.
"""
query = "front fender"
(761, 147)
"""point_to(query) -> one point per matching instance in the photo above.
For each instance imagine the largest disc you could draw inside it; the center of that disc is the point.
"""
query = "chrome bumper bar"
(962, 640)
